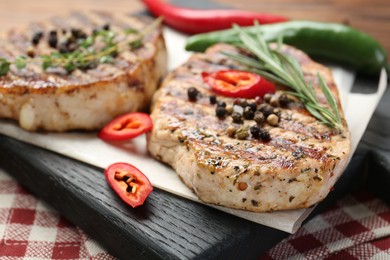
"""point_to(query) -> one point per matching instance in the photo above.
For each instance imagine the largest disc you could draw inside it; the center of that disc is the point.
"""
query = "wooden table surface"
(372, 17)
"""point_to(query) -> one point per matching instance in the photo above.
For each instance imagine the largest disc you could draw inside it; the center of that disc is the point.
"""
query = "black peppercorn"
(53, 41)
(213, 99)
(192, 93)
(243, 103)
(220, 112)
(63, 48)
(264, 135)
(266, 109)
(106, 27)
(237, 118)
(255, 131)
(253, 106)
(36, 38)
(78, 33)
(284, 100)
(221, 104)
(248, 113)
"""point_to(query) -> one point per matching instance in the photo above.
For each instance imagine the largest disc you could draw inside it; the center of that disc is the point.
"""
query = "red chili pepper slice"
(132, 186)
(199, 21)
(126, 127)
(236, 83)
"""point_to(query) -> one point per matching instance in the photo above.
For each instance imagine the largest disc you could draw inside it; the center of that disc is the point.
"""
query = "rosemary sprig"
(85, 56)
(283, 69)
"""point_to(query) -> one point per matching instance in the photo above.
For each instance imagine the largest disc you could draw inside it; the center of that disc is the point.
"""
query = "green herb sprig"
(283, 69)
(85, 56)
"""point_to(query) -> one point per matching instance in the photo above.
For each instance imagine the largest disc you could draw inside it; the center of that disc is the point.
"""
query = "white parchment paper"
(86, 147)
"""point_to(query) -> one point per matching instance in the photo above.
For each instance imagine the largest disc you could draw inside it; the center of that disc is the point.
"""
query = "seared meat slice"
(54, 100)
(295, 168)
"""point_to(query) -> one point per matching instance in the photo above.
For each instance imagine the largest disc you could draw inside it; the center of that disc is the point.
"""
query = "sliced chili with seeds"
(126, 127)
(131, 185)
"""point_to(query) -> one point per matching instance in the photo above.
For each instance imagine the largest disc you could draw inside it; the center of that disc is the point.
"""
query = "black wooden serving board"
(167, 226)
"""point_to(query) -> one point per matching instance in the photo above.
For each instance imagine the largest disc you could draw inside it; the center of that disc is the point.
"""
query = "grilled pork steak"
(292, 163)
(84, 99)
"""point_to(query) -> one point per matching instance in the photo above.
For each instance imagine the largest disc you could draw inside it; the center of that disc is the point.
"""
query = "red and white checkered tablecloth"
(30, 229)
(356, 227)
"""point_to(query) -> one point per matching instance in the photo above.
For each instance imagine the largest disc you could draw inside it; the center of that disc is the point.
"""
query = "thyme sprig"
(283, 69)
(85, 56)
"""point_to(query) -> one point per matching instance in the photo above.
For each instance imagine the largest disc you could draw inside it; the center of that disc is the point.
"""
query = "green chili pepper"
(330, 41)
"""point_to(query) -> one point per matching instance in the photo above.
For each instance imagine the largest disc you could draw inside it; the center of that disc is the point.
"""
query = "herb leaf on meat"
(283, 69)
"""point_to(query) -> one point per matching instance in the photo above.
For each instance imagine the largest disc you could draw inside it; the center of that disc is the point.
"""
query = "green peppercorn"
(259, 117)
(274, 101)
(267, 97)
(231, 131)
(273, 119)
(192, 93)
(242, 133)
(237, 118)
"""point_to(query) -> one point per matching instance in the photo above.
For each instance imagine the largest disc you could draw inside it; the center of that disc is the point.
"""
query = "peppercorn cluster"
(65, 41)
(262, 111)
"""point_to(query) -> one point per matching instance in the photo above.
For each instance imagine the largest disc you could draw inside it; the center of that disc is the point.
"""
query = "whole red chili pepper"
(194, 21)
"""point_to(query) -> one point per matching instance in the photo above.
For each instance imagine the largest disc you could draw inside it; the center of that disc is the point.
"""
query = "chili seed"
(242, 133)
(259, 117)
(220, 112)
(213, 99)
(264, 135)
(192, 93)
(36, 38)
(255, 131)
(231, 131)
(248, 113)
(273, 119)
(237, 118)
